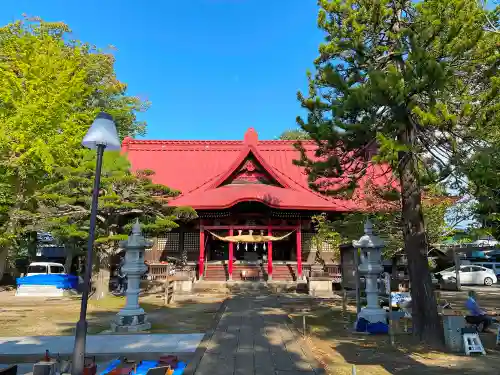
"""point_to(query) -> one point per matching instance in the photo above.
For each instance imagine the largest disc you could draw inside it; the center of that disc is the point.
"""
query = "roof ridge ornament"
(251, 137)
(136, 228)
(368, 227)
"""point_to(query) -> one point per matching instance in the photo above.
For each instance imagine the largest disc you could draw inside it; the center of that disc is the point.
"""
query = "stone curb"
(202, 347)
(99, 357)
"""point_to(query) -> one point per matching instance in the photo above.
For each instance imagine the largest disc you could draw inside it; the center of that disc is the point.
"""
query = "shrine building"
(254, 205)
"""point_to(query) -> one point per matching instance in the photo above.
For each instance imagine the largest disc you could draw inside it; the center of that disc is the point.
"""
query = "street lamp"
(101, 135)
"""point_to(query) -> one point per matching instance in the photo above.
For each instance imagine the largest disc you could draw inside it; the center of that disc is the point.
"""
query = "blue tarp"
(59, 281)
(143, 367)
(363, 325)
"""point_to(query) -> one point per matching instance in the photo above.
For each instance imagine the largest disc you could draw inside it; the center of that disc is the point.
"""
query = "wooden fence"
(161, 271)
(333, 271)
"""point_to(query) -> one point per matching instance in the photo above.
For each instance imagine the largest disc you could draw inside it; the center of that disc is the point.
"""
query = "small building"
(243, 188)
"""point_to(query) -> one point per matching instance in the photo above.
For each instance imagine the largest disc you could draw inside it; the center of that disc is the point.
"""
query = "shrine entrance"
(283, 250)
(250, 234)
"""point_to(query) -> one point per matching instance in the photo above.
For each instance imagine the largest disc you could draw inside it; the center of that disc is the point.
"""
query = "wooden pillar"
(182, 249)
(269, 254)
(231, 256)
(299, 252)
(201, 259)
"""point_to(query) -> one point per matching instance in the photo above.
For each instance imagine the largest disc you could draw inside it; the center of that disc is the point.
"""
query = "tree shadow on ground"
(22, 316)
(256, 335)
(186, 316)
(337, 346)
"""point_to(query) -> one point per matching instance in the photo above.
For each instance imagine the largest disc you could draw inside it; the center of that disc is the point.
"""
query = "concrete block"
(320, 287)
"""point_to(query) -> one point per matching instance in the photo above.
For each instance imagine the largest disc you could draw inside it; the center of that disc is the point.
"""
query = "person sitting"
(477, 316)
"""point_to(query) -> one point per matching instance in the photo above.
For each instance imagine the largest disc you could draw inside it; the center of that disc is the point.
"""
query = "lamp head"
(102, 132)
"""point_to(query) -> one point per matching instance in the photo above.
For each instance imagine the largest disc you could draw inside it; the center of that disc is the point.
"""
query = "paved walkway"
(102, 344)
(252, 337)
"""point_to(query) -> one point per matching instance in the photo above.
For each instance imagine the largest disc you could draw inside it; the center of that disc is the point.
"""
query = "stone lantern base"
(373, 315)
(130, 323)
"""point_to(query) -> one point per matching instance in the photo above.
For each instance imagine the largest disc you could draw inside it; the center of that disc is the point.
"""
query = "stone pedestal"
(183, 286)
(132, 317)
(370, 247)
(320, 287)
(137, 322)
(317, 270)
(42, 291)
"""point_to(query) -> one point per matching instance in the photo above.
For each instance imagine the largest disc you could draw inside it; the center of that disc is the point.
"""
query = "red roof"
(198, 169)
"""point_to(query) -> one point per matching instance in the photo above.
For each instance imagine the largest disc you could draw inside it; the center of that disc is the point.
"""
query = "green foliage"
(294, 135)
(388, 224)
(419, 78)
(64, 205)
(482, 172)
(326, 234)
(51, 89)
(388, 66)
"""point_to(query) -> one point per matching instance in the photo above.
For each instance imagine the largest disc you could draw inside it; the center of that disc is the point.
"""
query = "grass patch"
(52, 317)
(338, 348)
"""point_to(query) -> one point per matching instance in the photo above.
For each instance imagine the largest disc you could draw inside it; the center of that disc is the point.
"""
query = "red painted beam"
(299, 252)
(269, 254)
(201, 260)
(231, 256)
(248, 227)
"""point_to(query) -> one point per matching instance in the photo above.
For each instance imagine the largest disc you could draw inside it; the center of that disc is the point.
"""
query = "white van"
(45, 268)
(495, 266)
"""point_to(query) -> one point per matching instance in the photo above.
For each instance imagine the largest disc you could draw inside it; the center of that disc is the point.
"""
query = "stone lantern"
(132, 317)
(370, 267)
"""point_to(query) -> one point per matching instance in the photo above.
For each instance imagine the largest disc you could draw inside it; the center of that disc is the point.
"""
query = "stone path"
(252, 337)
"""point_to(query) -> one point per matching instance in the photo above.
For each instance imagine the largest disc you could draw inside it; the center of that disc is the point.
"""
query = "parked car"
(469, 274)
(495, 266)
(45, 268)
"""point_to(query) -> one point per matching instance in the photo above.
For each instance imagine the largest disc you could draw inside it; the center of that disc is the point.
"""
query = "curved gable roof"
(198, 168)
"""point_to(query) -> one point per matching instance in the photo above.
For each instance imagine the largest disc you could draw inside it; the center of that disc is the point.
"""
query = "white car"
(45, 268)
(470, 274)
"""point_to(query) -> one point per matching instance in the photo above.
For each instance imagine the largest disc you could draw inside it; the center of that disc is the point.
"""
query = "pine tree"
(420, 78)
(294, 135)
(64, 207)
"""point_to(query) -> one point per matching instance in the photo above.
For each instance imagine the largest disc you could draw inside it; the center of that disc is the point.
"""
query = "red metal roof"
(197, 168)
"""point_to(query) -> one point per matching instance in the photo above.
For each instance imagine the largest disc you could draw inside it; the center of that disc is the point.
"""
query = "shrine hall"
(254, 205)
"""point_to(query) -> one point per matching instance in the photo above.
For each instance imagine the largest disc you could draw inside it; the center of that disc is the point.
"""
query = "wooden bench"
(250, 274)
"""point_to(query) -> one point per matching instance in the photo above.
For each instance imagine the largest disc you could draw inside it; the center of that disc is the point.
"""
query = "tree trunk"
(102, 283)
(424, 307)
(101, 278)
(68, 262)
(3, 261)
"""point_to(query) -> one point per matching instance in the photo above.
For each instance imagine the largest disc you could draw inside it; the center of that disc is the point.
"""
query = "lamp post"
(101, 135)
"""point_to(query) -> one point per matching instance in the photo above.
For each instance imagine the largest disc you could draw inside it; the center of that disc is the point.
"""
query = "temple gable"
(250, 171)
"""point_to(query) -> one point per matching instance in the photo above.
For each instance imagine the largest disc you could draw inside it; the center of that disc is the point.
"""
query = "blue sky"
(211, 68)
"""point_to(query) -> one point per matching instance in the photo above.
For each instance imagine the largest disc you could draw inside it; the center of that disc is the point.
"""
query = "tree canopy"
(436, 207)
(484, 184)
(420, 78)
(294, 135)
(64, 206)
(51, 89)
